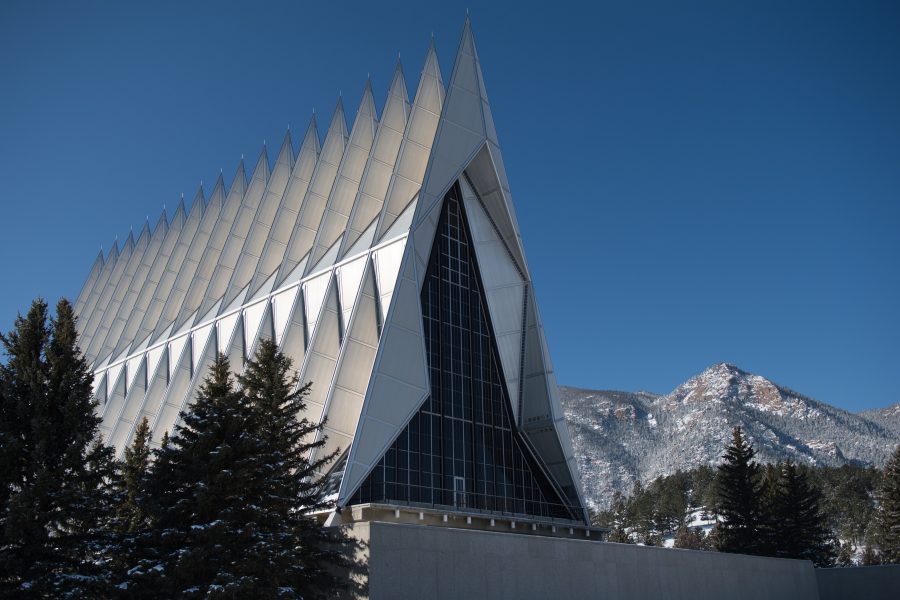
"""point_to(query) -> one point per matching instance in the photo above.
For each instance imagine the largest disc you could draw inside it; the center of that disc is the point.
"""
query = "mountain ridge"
(623, 437)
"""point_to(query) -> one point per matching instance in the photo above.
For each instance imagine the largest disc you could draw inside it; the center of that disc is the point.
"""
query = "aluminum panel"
(195, 279)
(199, 339)
(385, 147)
(349, 278)
(225, 328)
(288, 209)
(253, 316)
(313, 297)
(314, 203)
(387, 266)
(283, 306)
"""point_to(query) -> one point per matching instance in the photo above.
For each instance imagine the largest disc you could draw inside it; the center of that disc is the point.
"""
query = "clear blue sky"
(696, 181)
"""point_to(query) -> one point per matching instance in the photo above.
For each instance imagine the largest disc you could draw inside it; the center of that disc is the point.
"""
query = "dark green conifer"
(56, 473)
(739, 499)
(131, 510)
(231, 492)
(889, 511)
(798, 527)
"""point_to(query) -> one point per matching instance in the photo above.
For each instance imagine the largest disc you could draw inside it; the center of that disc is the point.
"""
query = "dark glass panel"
(461, 449)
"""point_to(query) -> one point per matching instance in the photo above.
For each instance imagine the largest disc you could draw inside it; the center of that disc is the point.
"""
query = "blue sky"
(696, 181)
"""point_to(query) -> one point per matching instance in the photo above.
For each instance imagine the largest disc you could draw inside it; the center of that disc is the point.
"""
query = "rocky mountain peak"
(623, 437)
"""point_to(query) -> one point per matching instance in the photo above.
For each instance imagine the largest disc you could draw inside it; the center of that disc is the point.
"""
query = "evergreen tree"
(889, 511)
(289, 485)
(688, 538)
(56, 474)
(869, 556)
(230, 492)
(131, 512)
(845, 555)
(739, 499)
(769, 527)
(797, 524)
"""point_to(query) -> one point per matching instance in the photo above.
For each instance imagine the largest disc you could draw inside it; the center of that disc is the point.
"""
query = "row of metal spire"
(229, 248)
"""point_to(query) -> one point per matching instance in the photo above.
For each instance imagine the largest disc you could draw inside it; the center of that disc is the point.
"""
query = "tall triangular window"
(461, 449)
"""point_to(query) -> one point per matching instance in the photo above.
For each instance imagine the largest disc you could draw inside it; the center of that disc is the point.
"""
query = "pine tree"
(739, 499)
(688, 538)
(798, 525)
(131, 510)
(845, 555)
(869, 556)
(769, 527)
(889, 511)
(56, 474)
(196, 495)
(289, 484)
(230, 491)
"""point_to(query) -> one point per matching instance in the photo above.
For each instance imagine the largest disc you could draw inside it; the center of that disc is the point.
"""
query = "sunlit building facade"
(387, 263)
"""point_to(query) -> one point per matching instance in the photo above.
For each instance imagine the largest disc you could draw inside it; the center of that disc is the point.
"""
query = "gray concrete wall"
(870, 583)
(414, 561)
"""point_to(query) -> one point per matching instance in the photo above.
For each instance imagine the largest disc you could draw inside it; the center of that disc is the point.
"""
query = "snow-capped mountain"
(622, 437)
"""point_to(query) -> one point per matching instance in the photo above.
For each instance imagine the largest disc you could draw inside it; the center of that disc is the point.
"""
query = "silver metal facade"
(326, 253)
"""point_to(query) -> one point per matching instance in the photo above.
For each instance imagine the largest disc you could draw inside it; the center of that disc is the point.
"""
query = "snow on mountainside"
(622, 437)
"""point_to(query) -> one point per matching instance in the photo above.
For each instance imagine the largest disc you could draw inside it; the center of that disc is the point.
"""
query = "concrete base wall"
(415, 561)
(871, 583)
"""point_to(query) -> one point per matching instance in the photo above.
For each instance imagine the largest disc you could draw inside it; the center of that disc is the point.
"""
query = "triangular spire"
(142, 241)
(199, 202)
(92, 277)
(366, 113)
(286, 153)
(218, 193)
(351, 172)
(128, 246)
(162, 224)
(310, 216)
(417, 145)
(338, 123)
(239, 181)
(311, 139)
(261, 171)
(426, 97)
(398, 100)
(98, 262)
(113, 251)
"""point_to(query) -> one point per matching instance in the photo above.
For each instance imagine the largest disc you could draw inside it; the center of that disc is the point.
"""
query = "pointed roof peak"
(338, 120)
(262, 163)
(467, 41)
(398, 81)
(218, 193)
(163, 220)
(240, 178)
(220, 183)
(199, 197)
(431, 66)
(311, 137)
(287, 147)
(367, 102)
